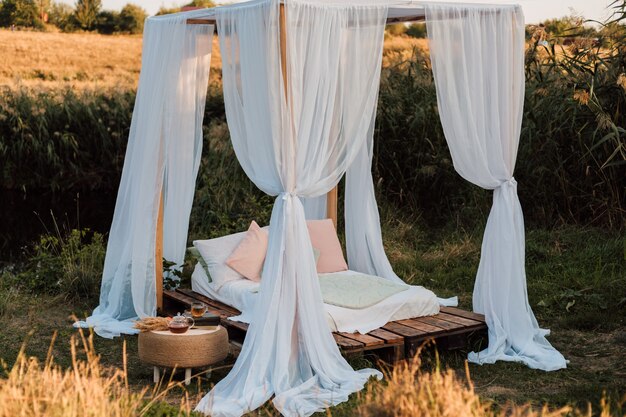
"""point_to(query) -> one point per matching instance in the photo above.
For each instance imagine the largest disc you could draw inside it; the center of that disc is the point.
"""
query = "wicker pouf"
(194, 349)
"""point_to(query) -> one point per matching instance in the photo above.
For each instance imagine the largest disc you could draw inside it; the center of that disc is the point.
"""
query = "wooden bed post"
(158, 257)
(331, 205)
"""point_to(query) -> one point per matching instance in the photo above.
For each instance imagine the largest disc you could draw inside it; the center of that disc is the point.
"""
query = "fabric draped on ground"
(477, 54)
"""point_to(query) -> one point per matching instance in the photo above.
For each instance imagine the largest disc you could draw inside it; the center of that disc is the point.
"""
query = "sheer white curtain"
(295, 147)
(477, 57)
(163, 153)
(364, 242)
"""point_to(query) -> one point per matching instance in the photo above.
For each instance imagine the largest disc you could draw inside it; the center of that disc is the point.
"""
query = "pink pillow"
(324, 238)
(248, 257)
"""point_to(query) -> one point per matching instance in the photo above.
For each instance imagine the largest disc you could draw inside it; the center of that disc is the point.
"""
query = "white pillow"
(215, 252)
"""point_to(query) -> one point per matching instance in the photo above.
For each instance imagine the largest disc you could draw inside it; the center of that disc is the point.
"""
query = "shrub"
(572, 152)
(70, 265)
(8, 294)
(61, 16)
(53, 140)
(412, 163)
(86, 13)
(396, 29)
(20, 13)
(417, 30)
(225, 200)
(107, 22)
(574, 141)
(131, 19)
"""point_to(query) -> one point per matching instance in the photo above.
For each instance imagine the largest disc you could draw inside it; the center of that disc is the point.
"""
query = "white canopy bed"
(300, 86)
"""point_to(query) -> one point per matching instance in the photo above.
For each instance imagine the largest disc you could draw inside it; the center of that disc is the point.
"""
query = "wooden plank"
(434, 321)
(236, 324)
(181, 298)
(210, 303)
(414, 18)
(200, 21)
(426, 328)
(390, 338)
(158, 256)
(462, 313)
(187, 300)
(450, 327)
(216, 305)
(367, 340)
(345, 343)
(402, 330)
(460, 320)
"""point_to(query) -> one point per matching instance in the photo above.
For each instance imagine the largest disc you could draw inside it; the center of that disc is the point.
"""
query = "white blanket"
(416, 301)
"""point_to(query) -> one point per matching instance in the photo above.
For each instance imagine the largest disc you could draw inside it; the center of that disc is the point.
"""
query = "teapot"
(180, 324)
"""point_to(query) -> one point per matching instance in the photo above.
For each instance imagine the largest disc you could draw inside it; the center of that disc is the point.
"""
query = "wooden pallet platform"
(396, 340)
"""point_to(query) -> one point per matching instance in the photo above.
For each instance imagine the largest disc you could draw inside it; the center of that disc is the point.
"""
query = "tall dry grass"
(401, 48)
(87, 388)
(412, 392)
(35, 389)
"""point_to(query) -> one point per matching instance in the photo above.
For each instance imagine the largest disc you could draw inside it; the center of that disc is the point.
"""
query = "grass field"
(78, 60)
(583, 266)
(576, 274)
(88, 60)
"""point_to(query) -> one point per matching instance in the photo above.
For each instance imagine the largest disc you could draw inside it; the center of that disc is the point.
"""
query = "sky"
(535, 11)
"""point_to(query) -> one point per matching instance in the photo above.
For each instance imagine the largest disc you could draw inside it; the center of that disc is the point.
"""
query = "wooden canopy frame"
(331, 196)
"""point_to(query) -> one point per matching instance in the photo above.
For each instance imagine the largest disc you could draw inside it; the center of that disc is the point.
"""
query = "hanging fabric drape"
(163, 153)
(364, 241)
(295, 142)
(477, 57)
(295, 134)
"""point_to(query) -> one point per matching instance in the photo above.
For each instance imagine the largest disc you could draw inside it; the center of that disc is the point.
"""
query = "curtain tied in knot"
(288, 194)
(510, 182)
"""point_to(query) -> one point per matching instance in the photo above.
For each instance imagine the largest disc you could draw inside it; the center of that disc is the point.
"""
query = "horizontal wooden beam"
(406, 19)
(391, 20)
(200, 21)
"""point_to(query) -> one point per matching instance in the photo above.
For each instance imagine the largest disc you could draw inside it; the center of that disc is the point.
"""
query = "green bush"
(225, 200)
(61, 16)
(86, 13)
(68, 264)
(20, 13)
(417, 30)
(63, 140)
(572, 154)
(8, 293)
(107, 22)
(131, 19)
(574, 141)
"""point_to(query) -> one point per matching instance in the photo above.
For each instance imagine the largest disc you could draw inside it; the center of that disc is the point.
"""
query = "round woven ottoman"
(196, 348)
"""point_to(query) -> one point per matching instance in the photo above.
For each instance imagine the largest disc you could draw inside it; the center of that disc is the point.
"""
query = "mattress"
(416, 301)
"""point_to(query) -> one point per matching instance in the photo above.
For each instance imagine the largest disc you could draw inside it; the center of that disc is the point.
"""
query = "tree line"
(84, 15)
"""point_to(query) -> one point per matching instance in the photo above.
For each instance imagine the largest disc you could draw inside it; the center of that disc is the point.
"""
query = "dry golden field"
(401, 47)
(78, 60)
(87, 60)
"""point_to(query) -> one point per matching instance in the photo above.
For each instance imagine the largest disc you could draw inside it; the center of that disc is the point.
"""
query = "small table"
(194, 349)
